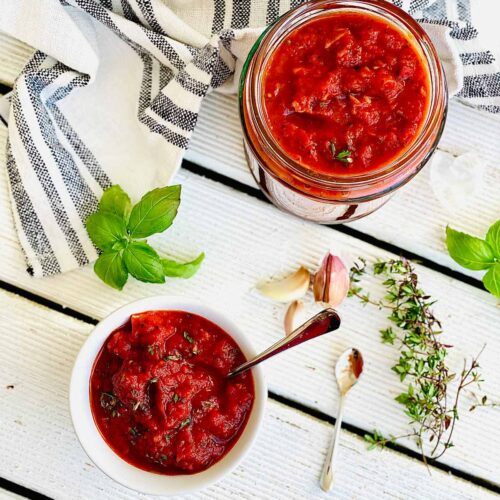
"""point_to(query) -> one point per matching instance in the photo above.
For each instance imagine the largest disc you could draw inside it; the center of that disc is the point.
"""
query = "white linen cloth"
(113, 92)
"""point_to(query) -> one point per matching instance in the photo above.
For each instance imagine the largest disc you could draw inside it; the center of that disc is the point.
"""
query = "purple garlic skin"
(331, 282)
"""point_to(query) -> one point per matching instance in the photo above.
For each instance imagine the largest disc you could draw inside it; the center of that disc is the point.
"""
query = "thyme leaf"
(185, 422)
(343, 156)
(484, 402)
(172, 357)
(134, 431)
(331, 146)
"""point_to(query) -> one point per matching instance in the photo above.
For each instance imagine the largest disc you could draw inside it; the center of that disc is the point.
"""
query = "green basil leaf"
(143, 263)
(186, 270)
(469, 251)
(116, 201)
(491, 280)
(110, 268)
(105, 229)
(493, 238)
(155, 212)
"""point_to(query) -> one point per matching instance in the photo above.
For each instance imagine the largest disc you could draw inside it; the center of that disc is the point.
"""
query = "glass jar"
(299, 190)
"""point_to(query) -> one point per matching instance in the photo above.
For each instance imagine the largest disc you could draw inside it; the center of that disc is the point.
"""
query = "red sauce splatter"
(159, 393)
(345, 82)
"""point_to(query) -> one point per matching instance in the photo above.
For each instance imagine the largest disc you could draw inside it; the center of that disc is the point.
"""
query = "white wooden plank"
(247, 240)
(8, 495)
(13, 57)
(40, 450)
(414, 219)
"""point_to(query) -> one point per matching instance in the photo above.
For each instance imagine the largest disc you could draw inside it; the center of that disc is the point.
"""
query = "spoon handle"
(323, 322)
(327, 477)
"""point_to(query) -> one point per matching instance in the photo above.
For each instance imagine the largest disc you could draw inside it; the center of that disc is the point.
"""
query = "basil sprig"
(477, 254)
(117, 229)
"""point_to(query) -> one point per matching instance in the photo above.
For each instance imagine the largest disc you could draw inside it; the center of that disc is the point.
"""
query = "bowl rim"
(102, 454)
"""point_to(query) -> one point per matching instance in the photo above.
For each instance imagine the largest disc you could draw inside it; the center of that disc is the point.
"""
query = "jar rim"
(261, 52)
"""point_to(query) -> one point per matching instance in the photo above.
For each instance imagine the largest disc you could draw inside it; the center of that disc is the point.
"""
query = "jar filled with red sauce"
(160, 395)
(341, 103)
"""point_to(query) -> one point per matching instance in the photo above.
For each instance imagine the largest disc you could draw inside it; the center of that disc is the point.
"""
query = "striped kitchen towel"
(112, 96)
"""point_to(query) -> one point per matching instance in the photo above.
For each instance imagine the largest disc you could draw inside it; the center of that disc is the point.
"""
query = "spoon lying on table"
(323, 322)
(347, 372)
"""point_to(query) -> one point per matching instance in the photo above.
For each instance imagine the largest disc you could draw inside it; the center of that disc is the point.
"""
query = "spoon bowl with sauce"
(348, 369)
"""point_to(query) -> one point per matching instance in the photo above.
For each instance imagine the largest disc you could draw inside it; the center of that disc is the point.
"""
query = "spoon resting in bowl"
(323, 322)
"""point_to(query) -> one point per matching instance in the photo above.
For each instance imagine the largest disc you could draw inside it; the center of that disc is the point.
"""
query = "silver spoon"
(347, 372)
(323, 322)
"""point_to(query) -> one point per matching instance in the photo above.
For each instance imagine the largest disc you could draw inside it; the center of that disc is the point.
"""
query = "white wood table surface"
(44, 322)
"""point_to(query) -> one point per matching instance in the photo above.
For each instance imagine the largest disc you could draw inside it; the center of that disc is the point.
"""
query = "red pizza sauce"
(159, 393)
(346, 93)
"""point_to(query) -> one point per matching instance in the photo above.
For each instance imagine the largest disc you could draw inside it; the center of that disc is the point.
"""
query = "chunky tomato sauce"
(345, 94)
(159, 395)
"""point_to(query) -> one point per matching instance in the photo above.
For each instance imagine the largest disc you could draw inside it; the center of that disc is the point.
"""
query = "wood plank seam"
(21, 490)
(38, 299)
(342, 228)
(319, 415)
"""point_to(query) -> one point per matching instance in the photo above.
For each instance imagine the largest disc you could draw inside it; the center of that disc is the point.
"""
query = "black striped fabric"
(56, 176)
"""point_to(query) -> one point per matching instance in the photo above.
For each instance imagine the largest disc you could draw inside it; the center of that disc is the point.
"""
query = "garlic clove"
(331, 282)
(288, 289)
(293, 317)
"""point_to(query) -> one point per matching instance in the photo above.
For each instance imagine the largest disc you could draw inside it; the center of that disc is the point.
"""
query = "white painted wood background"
(247, 240)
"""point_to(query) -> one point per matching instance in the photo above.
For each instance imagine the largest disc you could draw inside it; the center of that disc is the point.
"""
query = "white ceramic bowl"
(95, 446)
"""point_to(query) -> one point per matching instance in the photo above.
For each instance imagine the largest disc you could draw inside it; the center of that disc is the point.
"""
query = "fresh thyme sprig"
(433, 412)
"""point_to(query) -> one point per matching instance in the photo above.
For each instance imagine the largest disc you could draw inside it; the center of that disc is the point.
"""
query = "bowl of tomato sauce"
(151, 402)
(341, 103)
